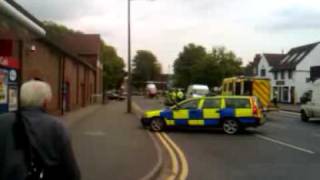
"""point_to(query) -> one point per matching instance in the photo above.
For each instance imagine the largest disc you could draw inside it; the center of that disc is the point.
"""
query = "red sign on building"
(9, 62)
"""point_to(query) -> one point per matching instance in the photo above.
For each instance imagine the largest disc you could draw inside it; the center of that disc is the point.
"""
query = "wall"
(44, 64)
(70, 77)
(300, 83)
(264, 64)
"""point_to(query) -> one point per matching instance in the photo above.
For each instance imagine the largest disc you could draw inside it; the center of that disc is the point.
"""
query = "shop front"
(9, 73)
(16, 27)
(284, 93)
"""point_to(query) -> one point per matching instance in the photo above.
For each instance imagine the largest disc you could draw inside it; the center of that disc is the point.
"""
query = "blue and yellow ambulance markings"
(196, 122)
(181, 114)
(243, 113)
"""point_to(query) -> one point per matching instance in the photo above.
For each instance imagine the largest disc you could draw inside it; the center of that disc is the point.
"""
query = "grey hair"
(34, 93)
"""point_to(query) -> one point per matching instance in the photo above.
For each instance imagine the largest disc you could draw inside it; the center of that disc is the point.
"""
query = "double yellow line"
(178, 160)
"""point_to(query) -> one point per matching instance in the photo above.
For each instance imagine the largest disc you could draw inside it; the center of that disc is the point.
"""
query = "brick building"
(88, 47)
(26, 49)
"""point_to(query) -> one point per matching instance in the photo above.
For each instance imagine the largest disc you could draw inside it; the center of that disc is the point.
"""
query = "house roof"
(294, 57)
(274, 59)
(47, 40)
(256, 60)
(58, 47)
(83, 44)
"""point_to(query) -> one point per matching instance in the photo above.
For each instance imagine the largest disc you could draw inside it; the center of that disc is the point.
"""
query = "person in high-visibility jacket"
(180, 95)
(173, 96)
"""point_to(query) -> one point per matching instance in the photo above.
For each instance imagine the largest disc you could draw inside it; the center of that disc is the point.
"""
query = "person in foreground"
(33, 144)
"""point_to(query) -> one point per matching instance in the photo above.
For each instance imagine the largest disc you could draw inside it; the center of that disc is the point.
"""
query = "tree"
(57, 31)
(187, 59)
(248, 70)
(113, 65)
(195, 66)
(145, 68)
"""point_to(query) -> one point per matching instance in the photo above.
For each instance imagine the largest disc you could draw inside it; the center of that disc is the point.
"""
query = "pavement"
(110, 144)
(284, 148)
(289, 107)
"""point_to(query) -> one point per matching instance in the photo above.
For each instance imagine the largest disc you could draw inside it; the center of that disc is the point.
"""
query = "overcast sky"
(246, 27)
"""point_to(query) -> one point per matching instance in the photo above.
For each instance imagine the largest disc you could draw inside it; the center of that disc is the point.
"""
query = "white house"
(290, 73)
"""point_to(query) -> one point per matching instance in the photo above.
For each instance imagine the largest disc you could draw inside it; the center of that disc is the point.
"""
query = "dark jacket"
(49, 138)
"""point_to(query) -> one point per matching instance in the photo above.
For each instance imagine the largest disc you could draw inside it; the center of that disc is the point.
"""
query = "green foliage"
(248, 69)
(56, 31)
(113, 65)
(196, 66)
(145, 68)
(183, 66)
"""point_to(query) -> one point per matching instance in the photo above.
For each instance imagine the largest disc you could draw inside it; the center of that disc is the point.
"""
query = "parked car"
(306, 97)
(312, 108)
(114, 95)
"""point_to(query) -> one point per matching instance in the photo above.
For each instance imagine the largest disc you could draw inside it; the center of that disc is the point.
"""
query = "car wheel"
(304, 116)
(157, 125)
(231, 126)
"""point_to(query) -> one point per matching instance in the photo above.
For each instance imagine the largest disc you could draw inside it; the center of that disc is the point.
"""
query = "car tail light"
(254, 110)
(254, 107)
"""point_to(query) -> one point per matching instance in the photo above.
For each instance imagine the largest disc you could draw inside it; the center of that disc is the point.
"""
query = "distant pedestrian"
(33, 144)
(180, 95)
(275, 99)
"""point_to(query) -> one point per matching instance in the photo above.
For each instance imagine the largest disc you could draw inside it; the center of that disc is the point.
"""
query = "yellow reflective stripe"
(200, 105)
(264, 98)
(223, 103)
(263, 101)
(169, 122)
(210, 114)
(181, 114)
(244, 112)
(196, 122)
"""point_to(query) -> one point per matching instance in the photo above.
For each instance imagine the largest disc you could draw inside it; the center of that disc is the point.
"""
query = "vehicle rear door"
(186, 111)
(239, 108)
(211, 111)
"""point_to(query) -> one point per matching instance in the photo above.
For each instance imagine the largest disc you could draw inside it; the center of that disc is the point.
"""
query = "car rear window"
(238, 103)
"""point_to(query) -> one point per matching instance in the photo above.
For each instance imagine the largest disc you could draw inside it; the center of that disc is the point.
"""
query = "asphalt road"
(284, 148)
(110, 144)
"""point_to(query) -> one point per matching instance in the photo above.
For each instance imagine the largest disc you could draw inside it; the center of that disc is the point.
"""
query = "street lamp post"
(129, 87)
(129, 109)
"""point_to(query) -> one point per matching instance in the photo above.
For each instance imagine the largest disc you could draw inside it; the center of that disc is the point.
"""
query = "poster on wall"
(3, 86)
(13, 99)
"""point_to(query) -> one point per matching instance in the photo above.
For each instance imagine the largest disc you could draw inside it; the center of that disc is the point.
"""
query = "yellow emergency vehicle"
(248, 86)
(232, 113)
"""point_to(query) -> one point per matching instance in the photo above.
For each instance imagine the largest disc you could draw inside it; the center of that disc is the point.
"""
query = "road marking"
(184, 164)
(284, 144)
(173, 158)
(289, 112)
(169, 144)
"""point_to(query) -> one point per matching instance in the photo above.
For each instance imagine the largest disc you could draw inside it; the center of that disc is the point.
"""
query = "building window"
(290, 74)
(275, 75)
(282, 74)
(263, 73)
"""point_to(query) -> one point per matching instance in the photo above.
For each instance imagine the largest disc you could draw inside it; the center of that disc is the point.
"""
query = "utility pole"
(129, 109)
